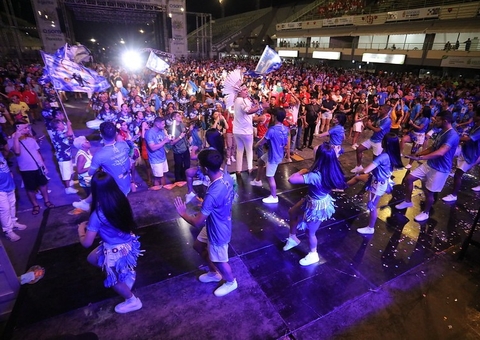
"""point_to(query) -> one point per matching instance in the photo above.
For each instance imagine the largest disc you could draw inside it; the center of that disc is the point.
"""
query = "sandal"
(36, 210)
(49, 205)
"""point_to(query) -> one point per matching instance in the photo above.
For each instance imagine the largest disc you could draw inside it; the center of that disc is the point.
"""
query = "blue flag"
(67, 75)
(269, 61)
(156, 64)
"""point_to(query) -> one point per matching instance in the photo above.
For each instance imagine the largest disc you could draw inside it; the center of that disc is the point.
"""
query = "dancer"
(380, 127)
(112, 219)
(243, 128)
(216, 214)
(434, 172)
(360, 116)
(324, 175)
(468, 156)
(377, 176)
(336, 133)
(416, 136)
(277, 138)
(214, 141)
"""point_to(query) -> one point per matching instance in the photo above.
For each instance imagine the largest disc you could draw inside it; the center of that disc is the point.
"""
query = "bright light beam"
(132, 60)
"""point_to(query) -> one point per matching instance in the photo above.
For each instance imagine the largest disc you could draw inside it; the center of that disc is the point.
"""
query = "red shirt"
(263, 127)
(30, 97)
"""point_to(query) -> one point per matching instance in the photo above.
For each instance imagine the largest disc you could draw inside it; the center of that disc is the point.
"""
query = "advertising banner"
(342, 21)
(48, 25)
(178, 43)
(413, 14)
(463, 62)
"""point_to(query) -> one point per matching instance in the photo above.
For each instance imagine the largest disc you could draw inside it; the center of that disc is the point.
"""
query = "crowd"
(146, 115)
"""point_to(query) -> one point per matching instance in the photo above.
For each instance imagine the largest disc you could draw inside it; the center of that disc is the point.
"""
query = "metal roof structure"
(112, 11)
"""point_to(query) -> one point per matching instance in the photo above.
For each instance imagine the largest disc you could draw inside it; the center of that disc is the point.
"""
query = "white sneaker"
(311, 258)
(19, 226)
(270, 199)
(12, 236)
(291, 243)
(70, 190)
(82, 205)
(449, 198)
(408, 166)
(226, 288)
(355, 146)
(206, 181)
(423, 216)
(129, 305)
(404, 205)
(366, 231)
(229, 162)
(197, 182)
(356, 169)
(233, 159)
(190, 196)
(256, 183)
(477, 188)
(210, 277)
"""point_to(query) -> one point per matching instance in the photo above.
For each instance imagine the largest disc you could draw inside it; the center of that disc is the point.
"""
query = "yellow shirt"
(396, 118)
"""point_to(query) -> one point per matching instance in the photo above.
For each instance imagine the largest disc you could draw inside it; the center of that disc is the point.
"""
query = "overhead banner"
(326, 55)
(48, 25)
(342, 21)
(397, 59)
(463, 62)
(178, 43)
(413, 14)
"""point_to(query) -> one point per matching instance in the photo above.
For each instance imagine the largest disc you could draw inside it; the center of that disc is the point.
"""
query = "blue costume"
(118, 251)
(318, 205)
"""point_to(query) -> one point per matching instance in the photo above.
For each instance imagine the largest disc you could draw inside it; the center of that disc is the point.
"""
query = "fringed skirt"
(316, 210)
(119, 260)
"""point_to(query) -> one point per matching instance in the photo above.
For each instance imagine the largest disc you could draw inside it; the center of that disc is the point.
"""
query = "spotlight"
(132, 60)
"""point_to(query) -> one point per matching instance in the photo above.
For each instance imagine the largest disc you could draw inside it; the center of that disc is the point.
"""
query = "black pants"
(182, 163)
(308, 132)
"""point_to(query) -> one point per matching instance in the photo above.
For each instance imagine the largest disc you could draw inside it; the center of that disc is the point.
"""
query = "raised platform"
(396, 284)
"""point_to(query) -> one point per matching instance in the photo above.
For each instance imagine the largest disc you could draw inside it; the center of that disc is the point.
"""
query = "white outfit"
(243, 131)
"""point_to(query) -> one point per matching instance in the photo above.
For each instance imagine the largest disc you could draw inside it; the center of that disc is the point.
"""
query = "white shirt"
(242, 122)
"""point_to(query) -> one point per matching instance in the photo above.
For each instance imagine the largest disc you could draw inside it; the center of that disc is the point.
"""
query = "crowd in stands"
(336, 8)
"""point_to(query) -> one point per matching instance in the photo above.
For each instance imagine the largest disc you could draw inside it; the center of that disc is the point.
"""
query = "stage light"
(132, 60)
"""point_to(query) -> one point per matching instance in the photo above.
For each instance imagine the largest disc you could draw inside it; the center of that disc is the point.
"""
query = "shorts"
(271, 168)
(433, 180)
(33, 179)
(417, 137)
(358, 127)
(377, 187)
(159, 169)
(376, 147)
(327, 115)
(215, 253)
(66, 170)
(462, 163)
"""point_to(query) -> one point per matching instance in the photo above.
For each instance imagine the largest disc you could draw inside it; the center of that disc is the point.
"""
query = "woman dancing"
(377, 176)
(112, 218)
(324, 175)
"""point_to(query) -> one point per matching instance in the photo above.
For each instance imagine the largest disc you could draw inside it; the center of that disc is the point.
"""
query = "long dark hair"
(215, 140)
(107, 197)
(391, 145)
(327, 164)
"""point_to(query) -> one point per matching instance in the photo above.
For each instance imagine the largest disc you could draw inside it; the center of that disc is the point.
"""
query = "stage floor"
(403, 282)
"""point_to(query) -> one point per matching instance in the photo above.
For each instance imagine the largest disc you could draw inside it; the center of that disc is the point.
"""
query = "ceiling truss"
(113, 11)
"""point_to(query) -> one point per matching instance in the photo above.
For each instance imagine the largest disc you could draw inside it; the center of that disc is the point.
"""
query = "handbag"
(41, 169)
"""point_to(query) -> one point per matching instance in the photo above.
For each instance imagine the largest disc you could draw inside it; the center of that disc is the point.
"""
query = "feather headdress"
(232, 86)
